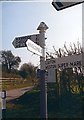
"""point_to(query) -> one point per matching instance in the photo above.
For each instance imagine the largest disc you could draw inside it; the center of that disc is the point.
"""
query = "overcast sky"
(23, 18)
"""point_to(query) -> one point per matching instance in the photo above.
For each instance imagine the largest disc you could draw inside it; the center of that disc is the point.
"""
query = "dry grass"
(15, 84)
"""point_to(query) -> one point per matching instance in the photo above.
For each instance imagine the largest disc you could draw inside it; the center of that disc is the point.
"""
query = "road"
(15, 93)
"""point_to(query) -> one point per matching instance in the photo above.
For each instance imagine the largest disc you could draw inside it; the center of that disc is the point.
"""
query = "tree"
(27, 70)
(9, 61)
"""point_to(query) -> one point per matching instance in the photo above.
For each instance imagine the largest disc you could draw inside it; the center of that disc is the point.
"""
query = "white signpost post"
(43, 83)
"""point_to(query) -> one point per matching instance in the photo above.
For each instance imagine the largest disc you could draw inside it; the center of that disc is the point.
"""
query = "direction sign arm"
(62, 4)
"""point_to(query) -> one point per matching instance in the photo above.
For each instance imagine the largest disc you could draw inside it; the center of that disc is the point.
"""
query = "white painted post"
(3, 96)
(43, 84)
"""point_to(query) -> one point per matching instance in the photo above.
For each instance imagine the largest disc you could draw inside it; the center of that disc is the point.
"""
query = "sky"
(23, 18)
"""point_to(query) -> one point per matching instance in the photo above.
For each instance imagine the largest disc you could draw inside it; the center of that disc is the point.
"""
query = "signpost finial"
(42, 27)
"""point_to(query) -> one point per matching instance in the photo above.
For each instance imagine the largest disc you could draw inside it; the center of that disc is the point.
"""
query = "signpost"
(71, 61)
(43, 83)
(20, 42)
(33, 47)
(62, 4)
(51, 77)
(36, 44)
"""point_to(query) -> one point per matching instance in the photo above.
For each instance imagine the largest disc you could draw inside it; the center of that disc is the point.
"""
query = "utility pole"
(43, 84)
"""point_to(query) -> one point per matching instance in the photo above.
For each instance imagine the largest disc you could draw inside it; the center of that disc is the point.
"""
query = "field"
(28, 105)
(16, 83)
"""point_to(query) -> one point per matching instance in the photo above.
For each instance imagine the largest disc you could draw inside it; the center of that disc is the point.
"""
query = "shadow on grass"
(28, 105)
(64, 106)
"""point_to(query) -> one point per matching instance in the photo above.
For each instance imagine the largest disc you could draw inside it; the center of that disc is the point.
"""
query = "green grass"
(64, 106)
(28, 105)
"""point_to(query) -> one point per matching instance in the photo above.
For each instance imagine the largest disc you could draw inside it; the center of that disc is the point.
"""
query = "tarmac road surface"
(15, 93)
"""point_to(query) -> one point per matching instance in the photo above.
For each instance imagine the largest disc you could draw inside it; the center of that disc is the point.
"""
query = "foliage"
(70, 81)
(66, 51)
(27, 70)
(9, 61)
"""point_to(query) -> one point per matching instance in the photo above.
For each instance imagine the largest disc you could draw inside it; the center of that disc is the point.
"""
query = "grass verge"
(28, 105)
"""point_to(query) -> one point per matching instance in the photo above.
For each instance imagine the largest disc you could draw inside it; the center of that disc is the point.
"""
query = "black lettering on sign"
(71, 63)
(75, 64)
